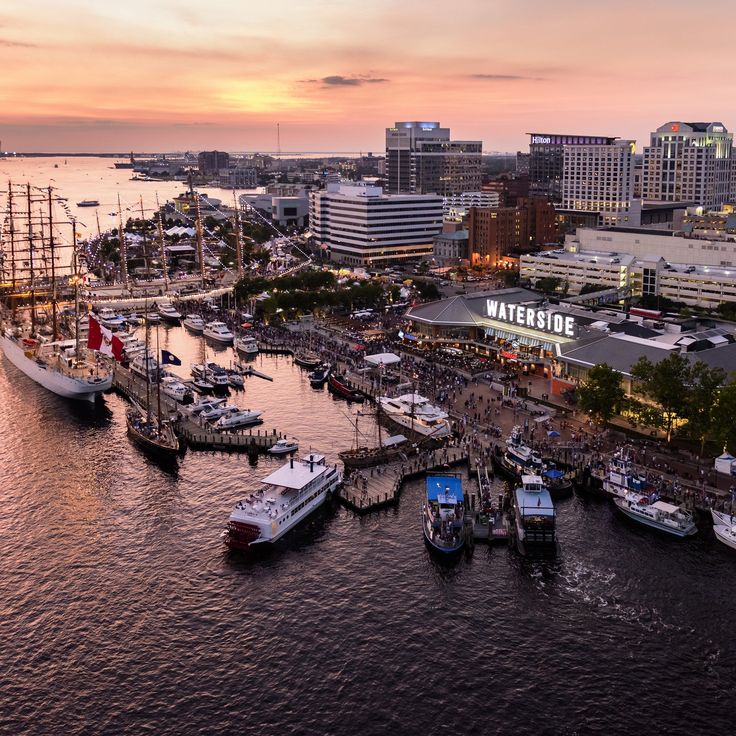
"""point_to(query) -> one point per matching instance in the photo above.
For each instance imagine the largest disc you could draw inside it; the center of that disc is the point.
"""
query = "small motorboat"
(202, 385)
(239, 418)
(284, 447)
(153, 318)
(134, 320)
(319, 376)
(725, 533)
(235, 379)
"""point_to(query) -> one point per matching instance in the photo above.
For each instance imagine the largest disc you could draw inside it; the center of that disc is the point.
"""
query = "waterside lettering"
(535, 319)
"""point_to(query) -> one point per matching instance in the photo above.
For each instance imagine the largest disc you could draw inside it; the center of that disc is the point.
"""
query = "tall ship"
(41, 269)
(286, 497)
(534, 518)
(659, 515)
(415, 413)
(443, 514)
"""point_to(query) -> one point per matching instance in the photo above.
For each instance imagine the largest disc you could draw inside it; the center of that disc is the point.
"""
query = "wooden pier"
(196, 434)
(371, 489)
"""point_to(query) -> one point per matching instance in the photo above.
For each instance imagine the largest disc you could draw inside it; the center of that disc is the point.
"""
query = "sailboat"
(58, 365)
(154, 435)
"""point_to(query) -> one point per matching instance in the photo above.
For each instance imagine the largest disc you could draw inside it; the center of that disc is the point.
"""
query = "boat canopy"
(442, 486)
(553, 473)
(667, 508)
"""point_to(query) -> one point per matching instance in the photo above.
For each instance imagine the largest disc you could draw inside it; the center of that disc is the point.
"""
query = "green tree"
(724, 427)
(602, 394)
(548, 284)
(510, 277)
(702, 400)
(666, 384)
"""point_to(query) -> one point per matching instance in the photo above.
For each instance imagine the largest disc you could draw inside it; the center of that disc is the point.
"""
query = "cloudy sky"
(83, 75)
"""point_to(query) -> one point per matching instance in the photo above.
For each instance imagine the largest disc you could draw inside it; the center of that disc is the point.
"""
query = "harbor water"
(123, 612)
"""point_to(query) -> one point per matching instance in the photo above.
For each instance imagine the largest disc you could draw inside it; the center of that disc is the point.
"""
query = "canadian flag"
(102, 339)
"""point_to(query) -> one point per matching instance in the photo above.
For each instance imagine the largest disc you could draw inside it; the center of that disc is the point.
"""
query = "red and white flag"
(102, 340)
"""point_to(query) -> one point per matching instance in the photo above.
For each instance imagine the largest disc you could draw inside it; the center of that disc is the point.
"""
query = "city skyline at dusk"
(174, 75)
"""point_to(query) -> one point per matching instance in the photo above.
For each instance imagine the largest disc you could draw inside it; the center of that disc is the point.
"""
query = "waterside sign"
(534, 319)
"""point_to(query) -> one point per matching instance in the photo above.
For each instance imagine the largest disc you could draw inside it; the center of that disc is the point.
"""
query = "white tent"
(382, 359)
(725, 463)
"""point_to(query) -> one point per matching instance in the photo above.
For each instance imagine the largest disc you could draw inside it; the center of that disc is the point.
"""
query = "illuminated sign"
(535, 319)
(675, 127)
(541, 139)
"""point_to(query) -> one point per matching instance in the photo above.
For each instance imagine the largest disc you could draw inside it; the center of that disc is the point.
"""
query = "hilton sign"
(535, 319)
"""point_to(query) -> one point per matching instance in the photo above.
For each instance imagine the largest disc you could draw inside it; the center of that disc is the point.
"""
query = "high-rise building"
(360, 225)
(688, 162)
(421, 159)
(599, 177)
(546, 161)
(212, 162)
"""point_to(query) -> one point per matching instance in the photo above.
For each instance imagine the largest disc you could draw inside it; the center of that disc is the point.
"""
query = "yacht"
(665, 517)
(111, 320)
(238, 418)
(414, 412)
(535, 518)
(286, 497)
(146, 366)
(443, 514)
(56, 366)
(213, 374)
(134, 319)
(283, 447)
(153, 318)
(318, 377)
(196, 408)
(247, 345)
(88, 203)
(175, 389)
(194, 323)
(518, 459)
(622, 477)
(218, 331)
(722, 518)
(726, 533)
(213, 412)
(168, 313)
(235, 379)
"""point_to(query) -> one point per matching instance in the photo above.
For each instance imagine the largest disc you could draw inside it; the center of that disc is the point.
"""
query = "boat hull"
(406, 422)
(722, 535)
(163, 452)
(58, 383)
(721, 518)
(653, 523)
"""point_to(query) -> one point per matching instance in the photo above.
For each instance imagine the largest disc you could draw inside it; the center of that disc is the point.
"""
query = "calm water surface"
(122, 612)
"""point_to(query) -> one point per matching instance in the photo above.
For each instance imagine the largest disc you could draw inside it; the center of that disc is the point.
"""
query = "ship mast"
(12, 237)
(161, 245)
(145, 242)
(147, 363)
(123, 249)
(30, 259)
(158, 386)
(238, 241)
(75, 267)
(53, 270)
(200, 248)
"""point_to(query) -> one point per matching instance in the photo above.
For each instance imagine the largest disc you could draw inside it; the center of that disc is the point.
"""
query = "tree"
(427, 290)
(666, 384)
(702, 400)
(510, 277)
(724, 427)
(548, 284)
(602, 394)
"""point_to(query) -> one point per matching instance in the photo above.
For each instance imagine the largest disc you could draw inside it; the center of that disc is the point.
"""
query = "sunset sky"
(184, 74)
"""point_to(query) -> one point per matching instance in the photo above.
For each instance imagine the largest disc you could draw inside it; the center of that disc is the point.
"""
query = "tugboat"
(535, 518)
(660, 515)
(337, 385)
(319, 376)
(287, 496)
(443, 514)
(622, 477)
(519, 459)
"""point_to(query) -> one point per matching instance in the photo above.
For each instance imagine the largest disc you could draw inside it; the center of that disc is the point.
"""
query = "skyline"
(171, 75)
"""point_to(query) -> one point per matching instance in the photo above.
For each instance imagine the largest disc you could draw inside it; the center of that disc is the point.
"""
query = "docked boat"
(57, 366)
(153, 318)
(534, 518)
(338, 385)
(414, 412)
(88, 203)
(283, 447)
(146, 366)
(391, 449)
(308, 360)
(196, 408)
(622, 477)
(194, 323)
(202, 385)
(235, 379)
(219, 332)
(318, 377)
(175, 389)
(443, 514)
(247, 345)
(726, 533)
(134, 319)
(722, 518)
(108, 318)
(213, 412)
(168, 313)
(286, 497)
(518, 459)
(660, 515)
(237, 419)
(155, 437)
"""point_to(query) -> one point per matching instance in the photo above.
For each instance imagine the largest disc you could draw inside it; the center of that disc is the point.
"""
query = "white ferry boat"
(443, 514)
(194, 323)
(414, 412)
(55, 366)
(665, 517)
(247, 345)
(218, 331)
(535, 517)
(286, 497)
